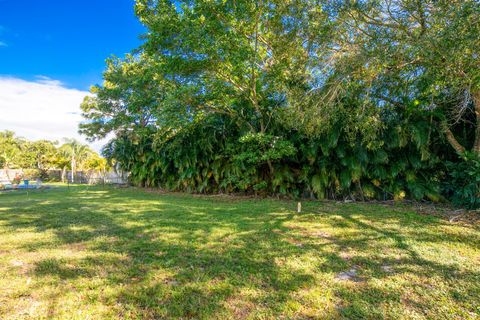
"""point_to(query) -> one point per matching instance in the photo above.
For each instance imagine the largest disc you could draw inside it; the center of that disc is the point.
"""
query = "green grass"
(109, 253)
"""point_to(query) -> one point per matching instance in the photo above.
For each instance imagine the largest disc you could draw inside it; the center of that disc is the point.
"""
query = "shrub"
(463, 183)
(32, 174)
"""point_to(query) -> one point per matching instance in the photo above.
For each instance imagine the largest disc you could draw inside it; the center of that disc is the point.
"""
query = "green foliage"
(10, 149)
(271, 97)
(41, 155)
(463, 182)
(260, 148)
(17, 152)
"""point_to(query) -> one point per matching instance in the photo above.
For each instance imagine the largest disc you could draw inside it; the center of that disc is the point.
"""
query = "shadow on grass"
(183, 257)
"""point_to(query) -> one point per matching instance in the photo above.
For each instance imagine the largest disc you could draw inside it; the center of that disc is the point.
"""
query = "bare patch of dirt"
(345, 255)
(387, 269)
(20, 265)
(349, 275)
(240, 308)
(171, 282)
(78, 246)
(320, 234)
(295, 242)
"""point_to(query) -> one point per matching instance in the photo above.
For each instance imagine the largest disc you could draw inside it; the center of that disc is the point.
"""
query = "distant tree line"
(43, 155)
(367, 99)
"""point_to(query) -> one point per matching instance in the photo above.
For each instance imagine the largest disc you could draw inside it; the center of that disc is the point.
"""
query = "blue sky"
(66, 40)
(51, 52)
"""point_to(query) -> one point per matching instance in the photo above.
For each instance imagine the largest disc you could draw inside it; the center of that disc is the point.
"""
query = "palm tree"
(76, 152)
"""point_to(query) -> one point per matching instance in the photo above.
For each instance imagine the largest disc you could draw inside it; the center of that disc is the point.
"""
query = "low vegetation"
(102, 253)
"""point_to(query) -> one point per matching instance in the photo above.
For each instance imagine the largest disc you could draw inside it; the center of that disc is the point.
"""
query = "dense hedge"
(211, 157)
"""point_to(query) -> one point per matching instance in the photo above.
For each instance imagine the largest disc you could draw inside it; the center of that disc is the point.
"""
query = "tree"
(420, 53)
(233, 57)
(9, 148)
(76, 152)
(40, 154)
(129, 98)
(298, 97)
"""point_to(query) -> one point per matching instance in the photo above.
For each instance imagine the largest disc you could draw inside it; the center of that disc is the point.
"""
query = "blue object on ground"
(26, 186)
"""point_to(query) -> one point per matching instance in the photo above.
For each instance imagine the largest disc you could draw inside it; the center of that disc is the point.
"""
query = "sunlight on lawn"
(124, 253)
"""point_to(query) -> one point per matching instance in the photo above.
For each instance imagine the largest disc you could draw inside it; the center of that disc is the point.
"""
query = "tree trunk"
(451, 139)
(476, 103)
(64, 173)
(73, 170)
(6, 171)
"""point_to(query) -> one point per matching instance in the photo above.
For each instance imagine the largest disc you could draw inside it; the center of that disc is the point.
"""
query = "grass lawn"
(109, 253)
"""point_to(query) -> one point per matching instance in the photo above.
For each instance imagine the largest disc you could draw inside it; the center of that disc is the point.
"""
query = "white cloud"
(3, 44)
(42, 109)
(48, 81)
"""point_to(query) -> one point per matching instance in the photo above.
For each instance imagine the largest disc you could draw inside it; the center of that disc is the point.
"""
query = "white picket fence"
(88, 177)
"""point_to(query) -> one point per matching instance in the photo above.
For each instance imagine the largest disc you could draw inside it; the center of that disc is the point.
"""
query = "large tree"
(243, 60)
(234, 57)
(417, 53)
(297, 96)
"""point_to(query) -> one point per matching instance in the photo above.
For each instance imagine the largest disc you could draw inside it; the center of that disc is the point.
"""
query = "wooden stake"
(299, 207)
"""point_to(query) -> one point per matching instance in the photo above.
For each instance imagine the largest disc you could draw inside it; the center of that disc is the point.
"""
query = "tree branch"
(451, 139)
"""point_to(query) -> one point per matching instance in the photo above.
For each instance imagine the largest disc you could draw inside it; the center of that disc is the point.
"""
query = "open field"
(109, 253)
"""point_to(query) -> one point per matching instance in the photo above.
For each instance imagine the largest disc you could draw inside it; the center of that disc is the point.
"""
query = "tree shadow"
(363, 301)
(196, 270)
(182, 257)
